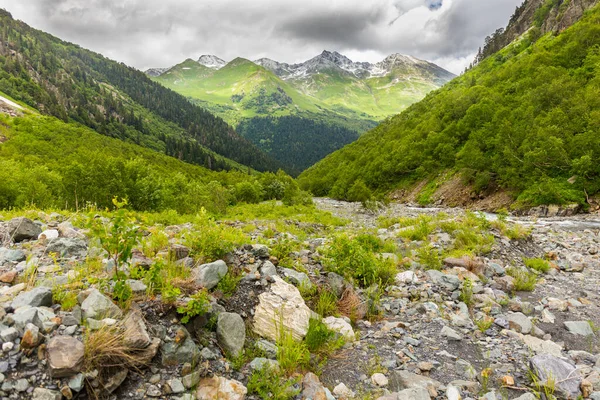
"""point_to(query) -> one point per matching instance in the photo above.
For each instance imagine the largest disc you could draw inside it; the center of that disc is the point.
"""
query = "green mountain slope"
(74, 84)
(324, 92)
(49, 163)
(526, 118)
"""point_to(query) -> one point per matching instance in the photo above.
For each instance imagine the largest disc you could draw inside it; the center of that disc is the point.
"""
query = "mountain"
(272, 103)
(74, 84)
(522, 124)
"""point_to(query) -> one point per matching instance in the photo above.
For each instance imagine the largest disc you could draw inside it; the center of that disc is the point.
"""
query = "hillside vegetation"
(526, 119)
(267, 101)
(73, 84)
(47, 163)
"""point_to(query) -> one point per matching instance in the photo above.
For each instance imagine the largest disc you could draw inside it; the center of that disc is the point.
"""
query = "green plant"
(291, 353)
(373, 295)
(537, 264)
(524, 280)
(170, 294)
(282, 248)
(351, 258)
(484, 323)
(229, 283)
(65, 297)
(466, 292)
(117, 236)
(429, 256)
(210, 240)
(156, 241)
(198, 304)
(122, 291)
(326, 303)
(269, 383)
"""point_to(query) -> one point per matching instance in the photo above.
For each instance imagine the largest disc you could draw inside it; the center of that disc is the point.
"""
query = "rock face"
(98, 306)
(65, 356)
(38, 297)
(281, 307)
(218, 388)
(557, 372)
(209, 275)
(23, 229)
(231, 332)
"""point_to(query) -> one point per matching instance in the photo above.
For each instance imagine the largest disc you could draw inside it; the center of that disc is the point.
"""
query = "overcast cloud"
(161, 33)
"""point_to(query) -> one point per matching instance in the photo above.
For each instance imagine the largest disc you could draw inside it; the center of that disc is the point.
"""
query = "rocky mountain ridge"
(335, 61)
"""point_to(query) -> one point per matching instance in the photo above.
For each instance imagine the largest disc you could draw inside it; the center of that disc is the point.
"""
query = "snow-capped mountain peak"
(211, 61)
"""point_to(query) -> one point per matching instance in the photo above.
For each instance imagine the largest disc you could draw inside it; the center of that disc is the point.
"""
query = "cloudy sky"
(161, 33)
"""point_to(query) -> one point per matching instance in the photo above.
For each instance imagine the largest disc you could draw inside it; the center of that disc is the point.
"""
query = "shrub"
(248, 192)
(466, 293)
(228, 284)
(318, 335)
(537, 264)
(525, 281)
(359, 192)
(348, 257)
(269, 383)
(210, 240)
(199, 304)
(429, 256)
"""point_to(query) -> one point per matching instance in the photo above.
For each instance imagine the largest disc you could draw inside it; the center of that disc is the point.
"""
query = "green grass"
(270, 383)
(525, 281)
(537, 264)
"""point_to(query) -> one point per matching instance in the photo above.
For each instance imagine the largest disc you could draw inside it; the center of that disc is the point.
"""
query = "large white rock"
(281, 307)
(340, 326)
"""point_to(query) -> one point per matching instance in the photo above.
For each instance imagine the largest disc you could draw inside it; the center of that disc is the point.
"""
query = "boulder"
(343, 392)
(23, 229)
(582, 328)
(180, 351)
(98, 306)
(260, 250)
(64, 356)
(281, 308)
(209, 275)
(11, 255)
(516, 321)
(297, 278)
(406, 277)
(401, 380)
(31, 337)
(137, 334)
(451, 334)
(231, 332)
(340, 326)
(68, 247)
(37, 297)
(558, 373)
(268, 269)
(219, 388)
(448, 282)
(312, 389)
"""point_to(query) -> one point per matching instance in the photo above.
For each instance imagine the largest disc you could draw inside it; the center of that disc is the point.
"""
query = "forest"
(74, 84)
(526, 119)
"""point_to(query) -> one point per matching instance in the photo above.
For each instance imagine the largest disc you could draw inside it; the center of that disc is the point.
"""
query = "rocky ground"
(457, 331)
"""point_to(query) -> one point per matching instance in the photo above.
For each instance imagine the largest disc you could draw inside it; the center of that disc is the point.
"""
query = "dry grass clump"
(351, 305)
(110, 346)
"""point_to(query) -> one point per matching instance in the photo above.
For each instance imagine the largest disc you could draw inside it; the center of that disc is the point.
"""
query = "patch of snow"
(211, 61)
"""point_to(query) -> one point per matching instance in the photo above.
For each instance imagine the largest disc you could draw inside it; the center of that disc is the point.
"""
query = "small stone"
(379, 379)
(175, 386)
(76, 383)
(231, 332)
(9, 335)
(21, 385)
(312, 388)
(343, 392)
(425, 366)
(508, 380)
(209, 275)
(66, 392)
(98, 306)
(219, 388)
(340, 326)
(451, 334)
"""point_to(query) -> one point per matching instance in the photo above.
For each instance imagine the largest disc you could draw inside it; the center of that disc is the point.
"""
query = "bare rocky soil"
(427, 342)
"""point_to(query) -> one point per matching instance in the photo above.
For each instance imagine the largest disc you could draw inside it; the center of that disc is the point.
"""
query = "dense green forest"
(526, 119)
(295, 141)
(47, 163)
(74, 84)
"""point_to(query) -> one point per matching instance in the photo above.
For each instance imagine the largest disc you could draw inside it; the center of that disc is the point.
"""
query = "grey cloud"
(154, 33)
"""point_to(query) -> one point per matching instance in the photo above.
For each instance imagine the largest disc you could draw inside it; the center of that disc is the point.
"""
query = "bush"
(525, 281)
(199, 304)
(359, 192)
(269, 383)
(210, 240)
(248, 192)
(352, 259)
(318, 335)
(537, 264)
